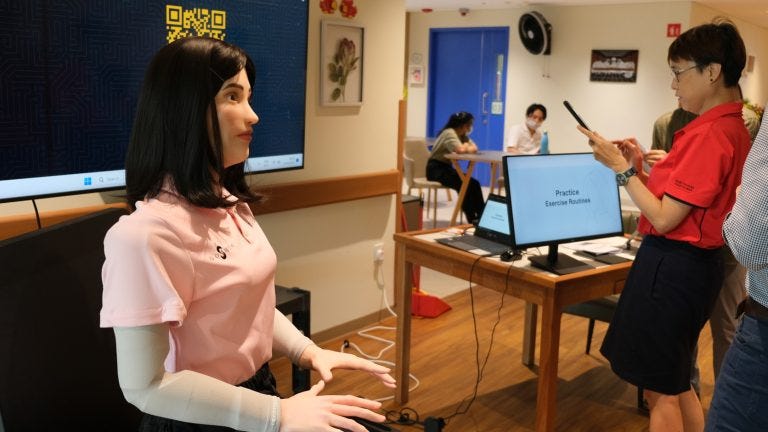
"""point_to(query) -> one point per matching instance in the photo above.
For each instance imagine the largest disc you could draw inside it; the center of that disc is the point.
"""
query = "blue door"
(467, 70)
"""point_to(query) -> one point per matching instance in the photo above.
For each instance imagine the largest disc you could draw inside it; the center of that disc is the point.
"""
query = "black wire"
(37, 215)
(498, 320)
(403, 417)
(480, 369)
(477, 346)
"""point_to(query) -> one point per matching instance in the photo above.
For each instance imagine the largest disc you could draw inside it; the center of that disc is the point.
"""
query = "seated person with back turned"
(526, 138)
(454, 138)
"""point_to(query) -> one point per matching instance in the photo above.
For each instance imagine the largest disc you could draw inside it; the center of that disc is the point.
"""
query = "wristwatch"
(622, 178)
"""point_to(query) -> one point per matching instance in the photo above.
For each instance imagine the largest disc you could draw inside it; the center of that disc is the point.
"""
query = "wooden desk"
(535, 287)
(492, 157)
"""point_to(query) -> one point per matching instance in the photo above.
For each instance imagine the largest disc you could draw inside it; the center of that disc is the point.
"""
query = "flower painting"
(344, 62)
(341, 64)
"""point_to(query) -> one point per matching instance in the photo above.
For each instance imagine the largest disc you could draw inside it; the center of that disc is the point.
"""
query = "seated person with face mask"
(526, 138)
(454, 138)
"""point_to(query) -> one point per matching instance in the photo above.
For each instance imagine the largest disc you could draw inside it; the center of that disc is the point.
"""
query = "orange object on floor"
(427, 305)
(423, 304)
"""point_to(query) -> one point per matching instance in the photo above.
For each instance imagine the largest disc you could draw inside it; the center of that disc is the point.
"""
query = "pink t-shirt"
(207, 272)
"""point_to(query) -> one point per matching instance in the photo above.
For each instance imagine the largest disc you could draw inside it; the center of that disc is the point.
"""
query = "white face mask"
(531, 123)
(469, 131)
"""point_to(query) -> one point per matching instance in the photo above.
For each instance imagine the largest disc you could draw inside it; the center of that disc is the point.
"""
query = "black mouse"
(510, 255)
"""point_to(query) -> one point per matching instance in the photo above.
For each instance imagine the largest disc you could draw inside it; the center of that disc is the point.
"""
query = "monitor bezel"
(550, 242)
(69, 182)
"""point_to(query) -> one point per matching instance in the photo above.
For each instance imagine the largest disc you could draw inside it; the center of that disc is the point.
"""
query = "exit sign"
(673, 30)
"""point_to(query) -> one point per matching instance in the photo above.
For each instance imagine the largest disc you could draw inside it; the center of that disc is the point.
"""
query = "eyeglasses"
(676, 73)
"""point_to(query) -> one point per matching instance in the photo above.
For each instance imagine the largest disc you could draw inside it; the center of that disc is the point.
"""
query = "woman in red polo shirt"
(677, 274)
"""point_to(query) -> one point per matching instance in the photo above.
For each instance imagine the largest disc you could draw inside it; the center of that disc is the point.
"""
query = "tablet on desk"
(606, 258)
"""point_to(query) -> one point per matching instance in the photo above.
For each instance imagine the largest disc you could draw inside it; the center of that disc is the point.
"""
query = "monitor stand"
(558, 263)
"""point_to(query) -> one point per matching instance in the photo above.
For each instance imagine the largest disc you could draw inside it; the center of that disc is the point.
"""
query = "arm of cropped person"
(185, 395)
(664, 214)
(287, 340)
(654, 156)
(631, 150)
(467, 147)
(746, 228)
(197, 398)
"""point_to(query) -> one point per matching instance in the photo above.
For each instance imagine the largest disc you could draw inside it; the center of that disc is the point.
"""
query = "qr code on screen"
(194, 22)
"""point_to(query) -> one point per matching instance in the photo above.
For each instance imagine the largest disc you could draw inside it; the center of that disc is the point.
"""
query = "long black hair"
(170, 138)
(457, 120)
(718, 42)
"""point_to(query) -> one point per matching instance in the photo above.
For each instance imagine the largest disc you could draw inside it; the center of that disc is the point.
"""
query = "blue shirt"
(746, 229)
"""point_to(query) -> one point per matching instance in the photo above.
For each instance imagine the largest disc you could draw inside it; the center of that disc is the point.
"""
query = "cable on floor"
(388, 343)
(480, 369)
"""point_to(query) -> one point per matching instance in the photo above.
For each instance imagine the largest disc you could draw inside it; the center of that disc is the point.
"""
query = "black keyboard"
(372, 426)
(470, 242)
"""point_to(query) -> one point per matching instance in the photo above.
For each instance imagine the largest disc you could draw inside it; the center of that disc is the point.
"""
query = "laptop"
(491, 236)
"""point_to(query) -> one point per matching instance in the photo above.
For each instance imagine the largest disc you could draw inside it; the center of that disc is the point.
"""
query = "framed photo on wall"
(416, 75)
(341, 63)
(613, 65)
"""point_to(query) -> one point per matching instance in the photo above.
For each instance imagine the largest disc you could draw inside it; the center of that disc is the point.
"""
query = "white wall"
(754, 85)
(613, 109)
(329, 249)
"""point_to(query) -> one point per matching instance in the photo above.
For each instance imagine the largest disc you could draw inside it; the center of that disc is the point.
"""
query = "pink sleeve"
(147, 274)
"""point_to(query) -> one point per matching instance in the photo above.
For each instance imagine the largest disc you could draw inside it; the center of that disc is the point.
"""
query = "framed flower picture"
(341, 64)
(416, 75)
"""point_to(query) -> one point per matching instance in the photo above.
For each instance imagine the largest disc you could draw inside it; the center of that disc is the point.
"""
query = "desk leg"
(529, 334)
(492, 185)
(403, 287)
(465, 176)
(546, 398)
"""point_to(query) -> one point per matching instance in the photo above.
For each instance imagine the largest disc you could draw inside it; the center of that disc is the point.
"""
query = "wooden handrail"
(278, 197)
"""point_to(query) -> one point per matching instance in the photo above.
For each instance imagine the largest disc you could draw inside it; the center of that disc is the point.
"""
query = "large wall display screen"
(71, 73)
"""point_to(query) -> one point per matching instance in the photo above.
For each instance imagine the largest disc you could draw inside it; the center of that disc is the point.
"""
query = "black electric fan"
(535, 33)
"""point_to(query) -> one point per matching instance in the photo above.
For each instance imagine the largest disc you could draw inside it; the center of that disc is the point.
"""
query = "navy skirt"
(668, 297)
(263, 382)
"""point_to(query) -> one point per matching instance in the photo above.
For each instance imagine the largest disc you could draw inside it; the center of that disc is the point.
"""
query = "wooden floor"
(590, 396)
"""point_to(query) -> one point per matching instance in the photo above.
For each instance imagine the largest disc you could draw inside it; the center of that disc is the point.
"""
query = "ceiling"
(752, 11)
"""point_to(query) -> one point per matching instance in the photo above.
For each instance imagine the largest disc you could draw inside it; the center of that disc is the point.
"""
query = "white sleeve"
(287, 340)
(185, 395)
(513, 135)
(746, 228)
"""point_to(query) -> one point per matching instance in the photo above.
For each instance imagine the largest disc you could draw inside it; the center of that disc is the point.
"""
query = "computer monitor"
(58, 367)
(72, 71)
(560, 198)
